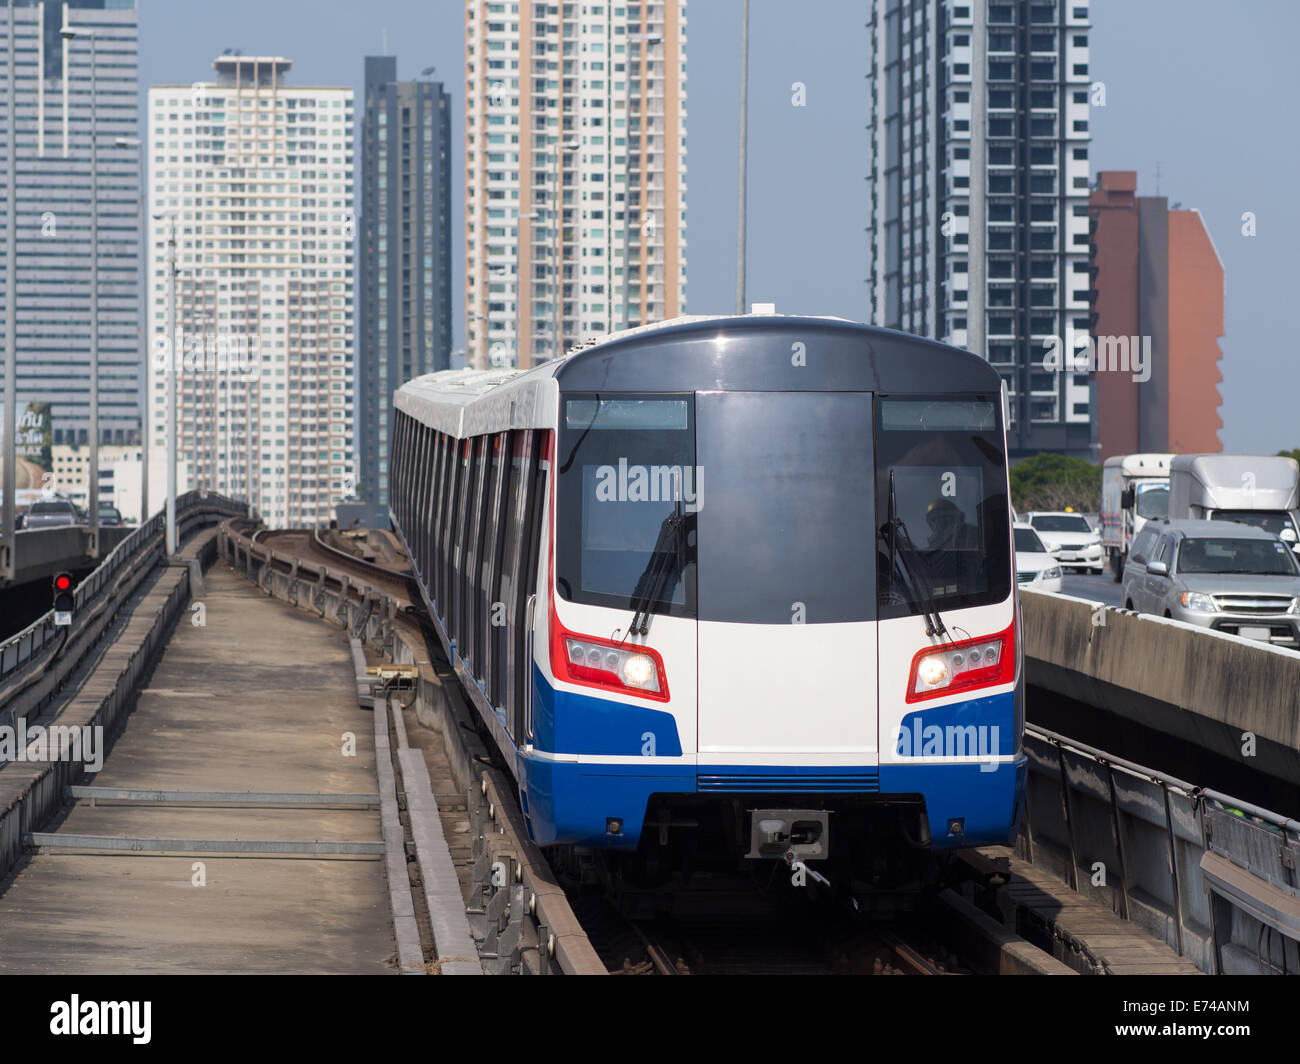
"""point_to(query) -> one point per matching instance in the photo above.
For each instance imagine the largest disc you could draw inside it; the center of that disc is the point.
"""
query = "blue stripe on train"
(565, 722)
(976, 727)
(572, 803)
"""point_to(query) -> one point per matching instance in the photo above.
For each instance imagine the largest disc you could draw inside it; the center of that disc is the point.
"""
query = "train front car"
(779, 617)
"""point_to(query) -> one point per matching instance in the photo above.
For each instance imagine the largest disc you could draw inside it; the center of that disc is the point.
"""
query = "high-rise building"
(575, 162)
(1158, 315)
(57, 89)
(256, 174)
(404, 255)
(979, 115)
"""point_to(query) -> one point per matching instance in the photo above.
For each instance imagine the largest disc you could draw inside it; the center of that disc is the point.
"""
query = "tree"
(1054, 482)
(1290, 454)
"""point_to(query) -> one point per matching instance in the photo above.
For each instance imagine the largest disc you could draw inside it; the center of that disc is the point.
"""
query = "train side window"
(417, 446)
(511, 579)
(491, 564)
(443, 444)
(428, 501)
(448, 528)
(395, 460)
(530, 537)
(473, 553)
(460, 535)
(395, 464)
(421, 479)
(501, 588)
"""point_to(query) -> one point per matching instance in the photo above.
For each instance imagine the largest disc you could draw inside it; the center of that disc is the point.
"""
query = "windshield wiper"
(651, 585)
(894, 530)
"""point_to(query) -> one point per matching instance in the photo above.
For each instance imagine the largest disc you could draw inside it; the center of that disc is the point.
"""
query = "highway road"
(1095, 588)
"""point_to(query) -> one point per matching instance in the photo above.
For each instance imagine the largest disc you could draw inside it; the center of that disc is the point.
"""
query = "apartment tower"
(575, 162)
(978, 212)
(404, 256)
(256, 175)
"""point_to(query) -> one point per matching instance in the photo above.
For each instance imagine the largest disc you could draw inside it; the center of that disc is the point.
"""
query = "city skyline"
(1246, 239)
(806, 242)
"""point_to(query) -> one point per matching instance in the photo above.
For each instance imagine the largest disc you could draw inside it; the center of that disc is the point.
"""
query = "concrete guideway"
(258, 699)
(1205, 687)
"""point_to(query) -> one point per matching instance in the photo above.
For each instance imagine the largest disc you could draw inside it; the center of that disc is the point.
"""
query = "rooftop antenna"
(383, 38)
(1157, 177)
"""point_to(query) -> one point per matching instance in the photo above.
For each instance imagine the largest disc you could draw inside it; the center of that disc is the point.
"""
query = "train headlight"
(638, 671)
(608, 664)
(960, 666)
(933, 671)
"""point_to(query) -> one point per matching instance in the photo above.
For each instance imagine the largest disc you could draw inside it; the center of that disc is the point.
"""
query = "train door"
(786, 579)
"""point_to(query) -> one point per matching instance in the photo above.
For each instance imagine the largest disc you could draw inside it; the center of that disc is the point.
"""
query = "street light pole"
(744, 143)
(138, 144)
(171, 388)
(11, 309)
(68, 33)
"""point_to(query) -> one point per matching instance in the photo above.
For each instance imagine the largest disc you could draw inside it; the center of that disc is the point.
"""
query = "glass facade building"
(979, 195)
(403, 255)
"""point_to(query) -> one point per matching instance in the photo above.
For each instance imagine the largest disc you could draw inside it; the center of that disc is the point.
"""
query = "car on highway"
(51, 513)
(1233, 578)
(1073, 542)
(109, 515)
(1036, 568)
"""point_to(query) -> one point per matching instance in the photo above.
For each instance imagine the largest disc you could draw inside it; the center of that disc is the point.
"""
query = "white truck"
(1134, 489)
(1260, 490)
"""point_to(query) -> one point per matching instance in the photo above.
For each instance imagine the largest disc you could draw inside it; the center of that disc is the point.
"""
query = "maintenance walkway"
(260, 699)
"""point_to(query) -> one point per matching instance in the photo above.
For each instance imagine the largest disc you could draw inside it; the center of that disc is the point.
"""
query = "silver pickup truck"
(1234, 578)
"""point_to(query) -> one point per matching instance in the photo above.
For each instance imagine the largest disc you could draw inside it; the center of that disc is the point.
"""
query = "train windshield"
(779, 498)
(626, 465)
(941, 475)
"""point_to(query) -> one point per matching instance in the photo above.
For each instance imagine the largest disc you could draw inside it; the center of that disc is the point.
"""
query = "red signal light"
(62, 582)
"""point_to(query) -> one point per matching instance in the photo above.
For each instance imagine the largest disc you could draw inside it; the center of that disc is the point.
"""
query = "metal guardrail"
(19, 650)
(1214, 877)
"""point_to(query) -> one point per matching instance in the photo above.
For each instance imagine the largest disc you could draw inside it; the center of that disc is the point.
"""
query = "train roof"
(689, 353)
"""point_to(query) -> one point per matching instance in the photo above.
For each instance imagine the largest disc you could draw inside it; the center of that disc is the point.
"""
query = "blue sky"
(1199, 87)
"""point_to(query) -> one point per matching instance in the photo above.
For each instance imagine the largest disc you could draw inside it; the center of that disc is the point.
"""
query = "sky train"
(730, 586)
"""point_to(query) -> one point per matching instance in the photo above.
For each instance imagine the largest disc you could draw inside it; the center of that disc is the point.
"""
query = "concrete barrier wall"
(1205, 687)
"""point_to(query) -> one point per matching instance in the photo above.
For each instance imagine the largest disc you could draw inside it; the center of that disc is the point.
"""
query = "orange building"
(1157, 293)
